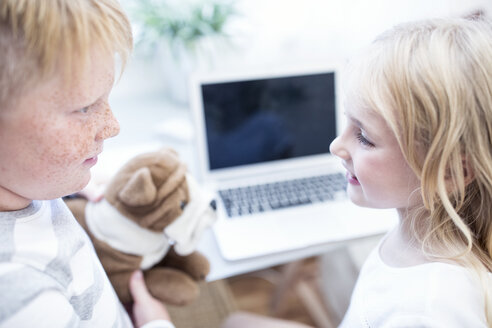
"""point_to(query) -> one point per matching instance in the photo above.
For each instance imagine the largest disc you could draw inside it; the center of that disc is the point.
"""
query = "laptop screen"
(257, 121)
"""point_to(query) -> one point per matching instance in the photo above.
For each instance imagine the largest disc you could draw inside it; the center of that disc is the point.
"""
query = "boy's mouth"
(91, 161)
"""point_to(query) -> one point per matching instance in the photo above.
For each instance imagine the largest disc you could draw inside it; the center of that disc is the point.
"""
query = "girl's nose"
(338, 149)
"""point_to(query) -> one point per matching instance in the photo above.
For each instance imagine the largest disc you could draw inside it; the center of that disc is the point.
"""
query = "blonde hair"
(39, 38)
(432, 82)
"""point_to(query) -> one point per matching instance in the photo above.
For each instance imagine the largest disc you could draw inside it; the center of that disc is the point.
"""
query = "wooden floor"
(302, 302)
(255, 292)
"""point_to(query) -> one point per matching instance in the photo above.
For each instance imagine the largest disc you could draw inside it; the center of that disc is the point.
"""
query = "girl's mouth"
(352, 179)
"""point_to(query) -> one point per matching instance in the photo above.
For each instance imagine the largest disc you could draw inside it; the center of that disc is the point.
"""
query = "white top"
(426, 295)
(50, 275)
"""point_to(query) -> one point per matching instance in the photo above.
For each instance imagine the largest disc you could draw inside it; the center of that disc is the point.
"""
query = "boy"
(56, 72)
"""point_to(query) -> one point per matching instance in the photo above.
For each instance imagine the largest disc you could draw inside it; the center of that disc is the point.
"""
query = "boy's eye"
(84, 110)
(363, 140)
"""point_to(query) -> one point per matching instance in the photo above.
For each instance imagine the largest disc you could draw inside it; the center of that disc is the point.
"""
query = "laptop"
(263, 147)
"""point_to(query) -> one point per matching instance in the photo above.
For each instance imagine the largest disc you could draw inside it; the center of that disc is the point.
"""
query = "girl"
(419, 139)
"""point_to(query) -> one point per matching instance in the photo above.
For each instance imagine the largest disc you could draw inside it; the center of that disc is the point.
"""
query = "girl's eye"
(363, 140)
(84, 110)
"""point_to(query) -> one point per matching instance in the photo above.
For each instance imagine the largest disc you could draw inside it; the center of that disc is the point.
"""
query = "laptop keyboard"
(273, 196)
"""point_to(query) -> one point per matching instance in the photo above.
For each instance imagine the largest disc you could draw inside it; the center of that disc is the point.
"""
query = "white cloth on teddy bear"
(123, 234)
(197, 216)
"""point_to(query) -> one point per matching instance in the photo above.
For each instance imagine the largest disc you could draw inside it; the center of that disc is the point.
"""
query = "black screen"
(265, 120)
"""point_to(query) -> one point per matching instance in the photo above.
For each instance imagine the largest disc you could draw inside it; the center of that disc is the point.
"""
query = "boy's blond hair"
(39, 38)
(432, 82)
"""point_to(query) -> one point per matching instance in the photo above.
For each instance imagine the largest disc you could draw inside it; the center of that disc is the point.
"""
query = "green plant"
(183, 25)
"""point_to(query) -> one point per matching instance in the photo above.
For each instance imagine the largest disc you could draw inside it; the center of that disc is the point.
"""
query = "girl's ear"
(468, 172)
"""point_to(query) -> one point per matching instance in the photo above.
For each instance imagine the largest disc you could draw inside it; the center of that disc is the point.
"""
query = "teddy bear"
(151, 218)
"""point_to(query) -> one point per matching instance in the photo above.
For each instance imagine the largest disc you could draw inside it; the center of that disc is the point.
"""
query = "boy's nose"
(110, 128)
(337, 148)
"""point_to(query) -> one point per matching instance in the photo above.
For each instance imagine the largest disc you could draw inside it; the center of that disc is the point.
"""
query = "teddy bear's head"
(151, 219)
(150, 189)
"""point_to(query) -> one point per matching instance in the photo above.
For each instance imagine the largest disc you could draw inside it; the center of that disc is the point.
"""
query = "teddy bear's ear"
(139, 190)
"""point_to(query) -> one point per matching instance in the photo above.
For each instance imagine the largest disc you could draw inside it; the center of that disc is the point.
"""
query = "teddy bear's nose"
(213, 204)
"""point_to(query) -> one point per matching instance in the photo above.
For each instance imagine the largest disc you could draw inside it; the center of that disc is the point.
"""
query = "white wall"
(278, 31)
(290, 33)
(268, 34)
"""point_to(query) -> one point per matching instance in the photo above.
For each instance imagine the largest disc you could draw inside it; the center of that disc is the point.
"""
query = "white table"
(221, 268)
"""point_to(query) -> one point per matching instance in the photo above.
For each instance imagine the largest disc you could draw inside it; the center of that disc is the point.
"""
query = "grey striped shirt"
(50, 275)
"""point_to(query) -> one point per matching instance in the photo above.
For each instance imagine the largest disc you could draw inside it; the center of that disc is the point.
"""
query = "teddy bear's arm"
(195, 264)
(171, 286)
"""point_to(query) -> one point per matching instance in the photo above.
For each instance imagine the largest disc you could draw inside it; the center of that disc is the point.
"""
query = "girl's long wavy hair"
(432, 82)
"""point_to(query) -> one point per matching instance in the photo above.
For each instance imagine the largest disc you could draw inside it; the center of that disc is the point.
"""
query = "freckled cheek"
(68, 146)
